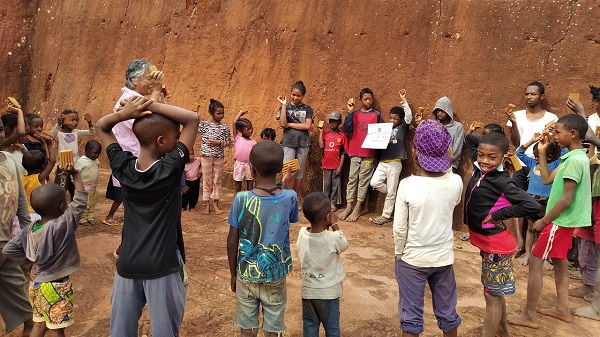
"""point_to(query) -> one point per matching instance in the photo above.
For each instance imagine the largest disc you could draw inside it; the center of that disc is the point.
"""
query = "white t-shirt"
(594, 121)
(527, 128)
(322, 269)
(423, 219)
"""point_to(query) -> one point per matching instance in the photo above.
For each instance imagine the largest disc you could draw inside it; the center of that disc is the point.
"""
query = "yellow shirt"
(30, 182)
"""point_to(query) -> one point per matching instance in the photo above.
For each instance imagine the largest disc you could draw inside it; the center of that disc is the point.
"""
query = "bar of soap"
(152, 68)
(509, 108)
(66, 158)
(295, 166)
(514, 160)
(574, 96)
(321, 123)
(13, 101)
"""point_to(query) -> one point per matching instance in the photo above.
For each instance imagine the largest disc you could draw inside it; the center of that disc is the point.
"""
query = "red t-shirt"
(361, 121)
(335, 144)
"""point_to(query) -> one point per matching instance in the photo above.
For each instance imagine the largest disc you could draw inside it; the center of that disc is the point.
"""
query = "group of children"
(152, 258)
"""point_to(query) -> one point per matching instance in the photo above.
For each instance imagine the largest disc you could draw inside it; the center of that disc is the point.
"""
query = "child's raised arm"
(235, 119)
(547, 176)
(51, 150)
(408, 117)
(91, 130)
(321, 142)
(187, 118)
(283, 122)
(19, 131)
(135, 107)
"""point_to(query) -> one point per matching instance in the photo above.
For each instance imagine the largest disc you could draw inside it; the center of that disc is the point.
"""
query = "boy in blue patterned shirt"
(258, 244)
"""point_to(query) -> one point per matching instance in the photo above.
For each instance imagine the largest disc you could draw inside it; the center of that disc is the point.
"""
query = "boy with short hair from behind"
(150, 268)
(88, 166)
(50, 245)
(258, 243)
(361, 160)
(423, 233)
(319, 247)
(569, 207)
(387, 174)
(490, 198)
(334, 144)
(444, 114)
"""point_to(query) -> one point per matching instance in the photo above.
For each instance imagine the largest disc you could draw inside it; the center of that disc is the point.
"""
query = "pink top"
(243, 148)
(193, 169)
(124, 130)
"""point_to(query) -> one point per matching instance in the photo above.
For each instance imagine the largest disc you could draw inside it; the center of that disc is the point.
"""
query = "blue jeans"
(315, 312)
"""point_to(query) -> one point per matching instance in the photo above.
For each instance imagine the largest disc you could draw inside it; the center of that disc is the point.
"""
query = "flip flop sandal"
(381, 220)
(108, 223)
(519, 252)
(465, 237)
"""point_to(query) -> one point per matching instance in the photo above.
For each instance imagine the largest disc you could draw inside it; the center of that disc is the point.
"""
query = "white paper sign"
(378, 136)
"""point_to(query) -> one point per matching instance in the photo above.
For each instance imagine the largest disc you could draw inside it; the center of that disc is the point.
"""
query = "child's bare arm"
(233, 239)
(235, 119)
(77, 180)
(536, 138)
(547, 176)
(301, 126)
(45, 174)
(562, 204)
(338, 171)
(283, 122)
(185, 117)
(134, 108)
(321, 142)
(19, 130)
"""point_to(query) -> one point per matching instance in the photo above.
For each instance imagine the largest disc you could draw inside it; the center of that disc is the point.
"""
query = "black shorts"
(112, 192)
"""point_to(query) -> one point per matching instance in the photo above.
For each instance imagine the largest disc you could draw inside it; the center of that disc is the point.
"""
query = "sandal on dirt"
(381, 220)
(519, 252)
(465, 237)
(108, 223)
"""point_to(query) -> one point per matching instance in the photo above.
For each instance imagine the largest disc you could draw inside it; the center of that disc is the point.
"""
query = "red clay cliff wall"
(479, 53)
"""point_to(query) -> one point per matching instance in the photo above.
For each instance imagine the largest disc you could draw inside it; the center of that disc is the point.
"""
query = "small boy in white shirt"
(89, 168)
(319, 247)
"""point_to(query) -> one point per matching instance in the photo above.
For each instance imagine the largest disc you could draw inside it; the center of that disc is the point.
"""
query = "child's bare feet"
(553, 312)
(524, 320)
(582, 291)
(524, 259)
(355, 214)
(206, 208)
(218, 210)
(587, 312)
(346, 212)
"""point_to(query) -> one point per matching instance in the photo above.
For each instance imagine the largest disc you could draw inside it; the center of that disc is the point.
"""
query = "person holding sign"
(387, 175)
(356, 125)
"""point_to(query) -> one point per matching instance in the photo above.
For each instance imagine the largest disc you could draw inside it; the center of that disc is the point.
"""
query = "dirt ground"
(368, 307)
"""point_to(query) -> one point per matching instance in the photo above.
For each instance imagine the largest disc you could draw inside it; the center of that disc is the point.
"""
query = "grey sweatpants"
(165, 297)
(14, 302)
